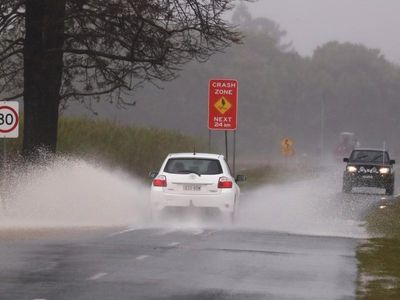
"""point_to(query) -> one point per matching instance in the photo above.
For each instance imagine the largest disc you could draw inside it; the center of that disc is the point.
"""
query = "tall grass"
(384, 220)
(378, 258)
(134, 149)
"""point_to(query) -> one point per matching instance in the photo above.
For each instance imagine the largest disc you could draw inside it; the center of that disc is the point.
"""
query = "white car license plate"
(367, 177)
(192, 187)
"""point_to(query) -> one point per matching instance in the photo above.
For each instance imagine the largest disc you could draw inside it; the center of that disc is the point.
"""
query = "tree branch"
(14, 97)
(78, 94)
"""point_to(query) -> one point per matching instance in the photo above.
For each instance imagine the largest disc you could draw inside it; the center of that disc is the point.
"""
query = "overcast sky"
(310, 23)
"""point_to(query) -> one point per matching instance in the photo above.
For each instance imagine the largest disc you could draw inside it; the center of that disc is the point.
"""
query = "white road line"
(141, 257)
(97, 276)
(174, 244)
(198, 232)
(130, 229)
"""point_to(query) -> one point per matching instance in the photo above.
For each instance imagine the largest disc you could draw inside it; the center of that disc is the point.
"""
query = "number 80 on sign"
(9, 119)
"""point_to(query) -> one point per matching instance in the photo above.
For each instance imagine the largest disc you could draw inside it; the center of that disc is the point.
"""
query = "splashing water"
(311, 207)
(73, 192)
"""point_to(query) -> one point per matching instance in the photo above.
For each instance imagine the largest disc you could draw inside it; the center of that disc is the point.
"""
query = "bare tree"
(52, 51)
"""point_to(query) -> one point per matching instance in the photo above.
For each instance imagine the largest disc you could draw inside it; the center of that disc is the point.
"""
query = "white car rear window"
(201, 166)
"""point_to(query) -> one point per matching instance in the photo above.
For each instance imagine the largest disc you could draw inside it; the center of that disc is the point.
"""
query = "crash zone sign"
(9, 119)
(222, 104)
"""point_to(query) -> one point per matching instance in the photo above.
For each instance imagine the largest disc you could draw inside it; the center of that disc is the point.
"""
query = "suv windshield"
(370, 156)
(199, 166)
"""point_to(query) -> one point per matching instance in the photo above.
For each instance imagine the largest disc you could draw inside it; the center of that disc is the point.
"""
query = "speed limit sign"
(9, 119)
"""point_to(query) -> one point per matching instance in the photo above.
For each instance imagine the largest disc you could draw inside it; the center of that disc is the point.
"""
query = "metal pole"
(234, 154)
(322, 142)
(3, 200)
(4, 154)
(226, 146)
(209, 140)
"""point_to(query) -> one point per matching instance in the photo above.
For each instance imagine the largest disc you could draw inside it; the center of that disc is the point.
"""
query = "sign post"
(9, 128)
(234, 153)
(223, 108)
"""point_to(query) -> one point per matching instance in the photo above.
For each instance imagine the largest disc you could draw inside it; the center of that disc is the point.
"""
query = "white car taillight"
(160, 180)
(224, 183)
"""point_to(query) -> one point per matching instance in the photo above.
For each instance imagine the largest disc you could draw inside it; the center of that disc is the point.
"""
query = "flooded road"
(296, 240)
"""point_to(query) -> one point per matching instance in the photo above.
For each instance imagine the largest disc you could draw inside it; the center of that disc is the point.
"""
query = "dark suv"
(370, 168)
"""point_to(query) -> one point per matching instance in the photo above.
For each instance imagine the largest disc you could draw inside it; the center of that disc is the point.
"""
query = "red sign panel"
(222, 104)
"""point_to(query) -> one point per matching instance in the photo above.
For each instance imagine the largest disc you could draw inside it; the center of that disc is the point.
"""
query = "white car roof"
(195, 155)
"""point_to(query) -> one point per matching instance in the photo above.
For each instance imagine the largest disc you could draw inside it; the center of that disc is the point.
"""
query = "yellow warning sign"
(222, 105)
(287, 147)
(287, 142)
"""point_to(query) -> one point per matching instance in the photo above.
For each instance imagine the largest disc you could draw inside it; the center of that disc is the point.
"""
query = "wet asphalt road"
(178, 264)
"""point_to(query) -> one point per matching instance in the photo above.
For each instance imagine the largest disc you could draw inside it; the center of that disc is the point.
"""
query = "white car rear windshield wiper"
(189, 172)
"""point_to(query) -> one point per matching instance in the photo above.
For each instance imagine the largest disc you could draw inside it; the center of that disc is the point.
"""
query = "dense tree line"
(349, 86)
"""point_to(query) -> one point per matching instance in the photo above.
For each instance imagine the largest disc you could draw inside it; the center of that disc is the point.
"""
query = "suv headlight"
(351, 169)
(384, 170)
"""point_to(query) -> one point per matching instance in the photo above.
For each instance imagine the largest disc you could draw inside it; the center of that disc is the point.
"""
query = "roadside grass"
(139, 150)
(379, 269)
(379, 260)
(136, 150)
(385, 219)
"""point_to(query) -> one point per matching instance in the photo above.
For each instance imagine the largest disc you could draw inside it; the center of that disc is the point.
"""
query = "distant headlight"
(351, 169)
(384, 170)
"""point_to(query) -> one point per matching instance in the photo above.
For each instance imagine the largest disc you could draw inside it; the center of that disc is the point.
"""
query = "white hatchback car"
(200, 180)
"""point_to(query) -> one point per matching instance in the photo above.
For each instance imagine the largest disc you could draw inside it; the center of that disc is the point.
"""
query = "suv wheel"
(390, 190)
(346, 187)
